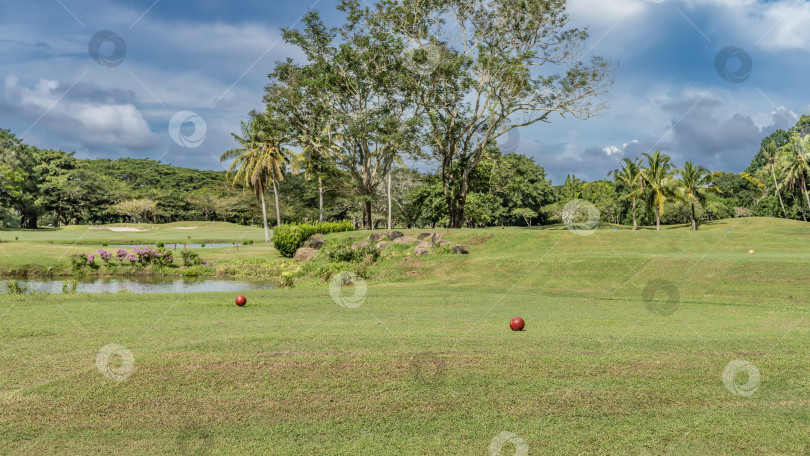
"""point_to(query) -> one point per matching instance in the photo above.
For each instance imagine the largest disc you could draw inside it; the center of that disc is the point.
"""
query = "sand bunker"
(117, 228)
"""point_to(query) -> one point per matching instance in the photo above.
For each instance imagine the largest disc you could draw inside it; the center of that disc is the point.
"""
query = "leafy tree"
(259, 160)
(361, 89)
(694, 184)
(137, 209)
(630, 176)
(494, 66)
(797, 165)
(771, 155)
(659, 183)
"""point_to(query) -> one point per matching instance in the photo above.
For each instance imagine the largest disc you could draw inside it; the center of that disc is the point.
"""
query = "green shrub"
(69, 286)
(13, 287)
(343, 252)
(159, 245)
(191, 258)
(288, 238)
(104, 244)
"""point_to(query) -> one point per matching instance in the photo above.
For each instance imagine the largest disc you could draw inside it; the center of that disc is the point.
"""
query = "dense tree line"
(48, 187)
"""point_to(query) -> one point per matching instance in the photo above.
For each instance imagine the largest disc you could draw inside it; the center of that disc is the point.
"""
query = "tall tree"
(659, 183)
(630, 176)
(797, 165)
(770, 153)
(260, 160)
(354, 74)
(488, 67)
(694, 184)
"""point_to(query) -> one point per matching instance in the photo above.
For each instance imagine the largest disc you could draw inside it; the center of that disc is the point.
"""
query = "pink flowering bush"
(105, 256)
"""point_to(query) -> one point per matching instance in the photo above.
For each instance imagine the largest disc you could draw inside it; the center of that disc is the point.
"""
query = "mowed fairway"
(427, 363)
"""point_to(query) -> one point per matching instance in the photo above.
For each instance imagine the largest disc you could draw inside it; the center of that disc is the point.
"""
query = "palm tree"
(659, 181)
(259, 160)
(630, 175)
(797, 166)
(694, 184)
(771, 154)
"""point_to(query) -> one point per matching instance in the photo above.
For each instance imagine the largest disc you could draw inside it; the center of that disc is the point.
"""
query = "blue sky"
(205, 62)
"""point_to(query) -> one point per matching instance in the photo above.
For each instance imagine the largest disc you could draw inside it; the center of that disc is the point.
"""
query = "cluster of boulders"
(424, 242)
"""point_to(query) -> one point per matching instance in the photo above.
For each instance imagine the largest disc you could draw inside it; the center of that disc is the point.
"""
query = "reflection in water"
(141, 285)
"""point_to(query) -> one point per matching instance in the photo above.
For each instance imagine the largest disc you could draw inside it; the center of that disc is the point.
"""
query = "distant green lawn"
(427, 364)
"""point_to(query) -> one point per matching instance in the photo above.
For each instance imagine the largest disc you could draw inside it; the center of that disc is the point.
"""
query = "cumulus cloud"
(85, 112)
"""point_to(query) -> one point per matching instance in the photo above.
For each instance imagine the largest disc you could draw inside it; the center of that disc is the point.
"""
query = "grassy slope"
(427, 364)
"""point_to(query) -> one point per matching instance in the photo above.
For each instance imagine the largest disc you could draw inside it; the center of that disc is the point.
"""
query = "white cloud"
(96, 123)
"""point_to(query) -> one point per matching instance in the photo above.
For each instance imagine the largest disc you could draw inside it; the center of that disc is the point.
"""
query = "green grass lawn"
(427, 363)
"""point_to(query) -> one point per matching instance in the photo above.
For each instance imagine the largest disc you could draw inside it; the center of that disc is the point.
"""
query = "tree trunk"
(264, 215)
(389, 201)
(806, 195)
(367, 222)
(694, 222)
(320, 199)
(657, 218)
(278, 210)
(779, 195)
(635, 223)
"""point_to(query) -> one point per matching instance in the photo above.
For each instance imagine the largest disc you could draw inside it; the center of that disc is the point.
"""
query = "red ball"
(240, 300)
(517, 324)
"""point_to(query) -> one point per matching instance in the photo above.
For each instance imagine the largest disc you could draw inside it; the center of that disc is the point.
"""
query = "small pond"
(170, 245)
(141, 285)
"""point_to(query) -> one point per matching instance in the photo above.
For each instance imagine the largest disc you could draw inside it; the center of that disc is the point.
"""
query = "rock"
(402, 239)
(462, 249)
(315, 242)
(394, 235)
(374, 237)
(305, 254)
(381, 245)
(444, 243)
(423, 248)
(423, 236)
(360, 245)
(436, 238)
